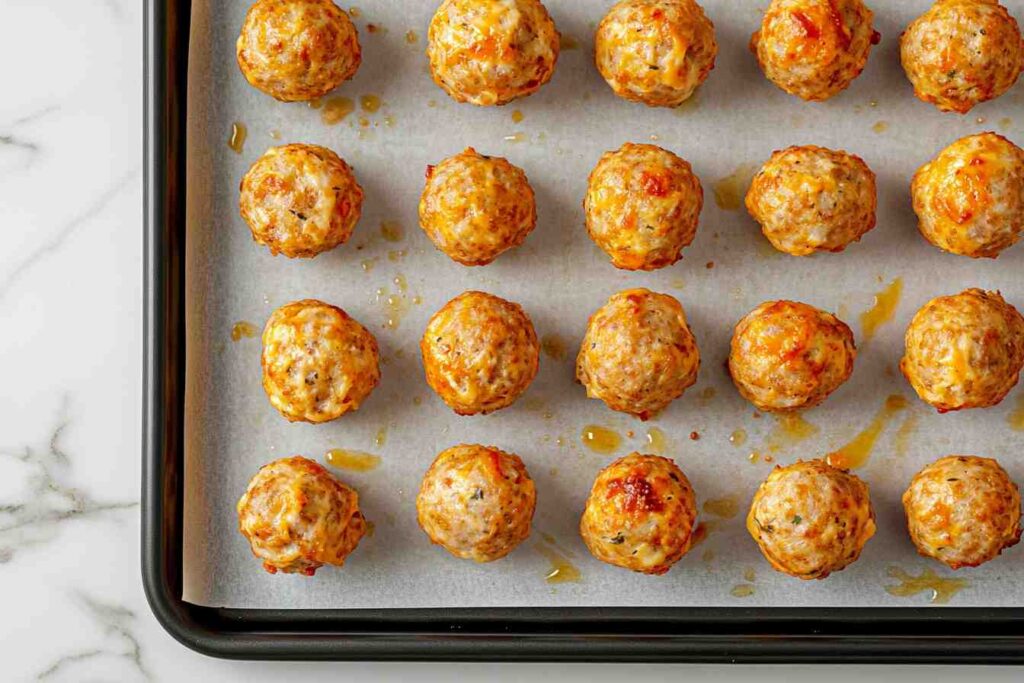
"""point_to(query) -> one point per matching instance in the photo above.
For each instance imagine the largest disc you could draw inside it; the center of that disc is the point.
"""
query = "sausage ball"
(298, 517)
(655, 51)
(787, 355)
(640, 514)
(480, 353)
(961, 53)
(489, 52)
(476, 207)
(300, 200)
(638, 354)
(810, 199)
(297, 49)
(814, 48)
(969, 200)
(318, 363)
(642, 206)
(811, 519)
(476, 502)
(964, 351)
(962, 510)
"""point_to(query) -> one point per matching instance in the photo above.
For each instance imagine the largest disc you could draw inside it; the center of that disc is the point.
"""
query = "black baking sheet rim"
(698, 634)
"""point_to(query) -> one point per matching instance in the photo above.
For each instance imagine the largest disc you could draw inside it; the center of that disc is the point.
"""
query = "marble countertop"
(71, 359)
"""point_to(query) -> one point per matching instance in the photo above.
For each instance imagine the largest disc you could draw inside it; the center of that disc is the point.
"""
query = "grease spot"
(657, 442)
(742, 590)
(243, 329)
(857, 452)
(1016, 416)
(237, 140)
(335, 109)
(562, 570)
(882, 310)
(355, 461)
(726, 507)
(940, 590)
(731, 190)
(600, 439)
(554, 346)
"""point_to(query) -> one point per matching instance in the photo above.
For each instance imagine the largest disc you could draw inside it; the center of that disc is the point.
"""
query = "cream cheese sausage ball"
(318, 363)
(298, 517)
(297, 49)
(969, 199)
(638, 354)
(489, 52)
(810, 199)
(640, 514)
(475, 207)
(476, 502)
(811, 519)
(642, 206)
(961, 53)
(300, 200)
(964, 351)
(655, 51)
(962, 510)
(787, 355)
(814, 48)
(480, 352)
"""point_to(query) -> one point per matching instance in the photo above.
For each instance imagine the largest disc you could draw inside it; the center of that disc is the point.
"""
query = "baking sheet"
(560, 277)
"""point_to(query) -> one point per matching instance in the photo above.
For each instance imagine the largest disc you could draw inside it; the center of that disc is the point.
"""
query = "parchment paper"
(560, 277)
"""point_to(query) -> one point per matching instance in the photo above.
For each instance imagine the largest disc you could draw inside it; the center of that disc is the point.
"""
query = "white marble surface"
(71, 601)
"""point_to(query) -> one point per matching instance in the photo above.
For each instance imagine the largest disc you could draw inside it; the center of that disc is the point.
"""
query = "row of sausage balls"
(809, 519)
(480, 353)
(489, 52)
(643, 203)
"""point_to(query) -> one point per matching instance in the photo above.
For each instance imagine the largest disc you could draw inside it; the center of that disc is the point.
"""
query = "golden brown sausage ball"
(964, 351)
(638, 354)
(640, 514)
(298, 517)
(300, 200)
(476, 502)
(969, 200)
(642, 206)
(787, 355)
(810, 199)
(962, 510)
(297, 49)
(961, 53)
(318, 363)
(811, 519)
(476, 207)
(814, 48)
(655, 51)
(480, 352)
(490, 52)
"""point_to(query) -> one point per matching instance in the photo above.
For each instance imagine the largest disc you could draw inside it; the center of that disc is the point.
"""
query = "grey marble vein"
(48, 501)
(56, 241)
(115, 623)
(19, 143)
(32, 116)
(12, 141)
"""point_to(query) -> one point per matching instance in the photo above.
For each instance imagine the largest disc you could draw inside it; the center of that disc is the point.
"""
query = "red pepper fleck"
(636, 492)
(654, 184)
(810, 29)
